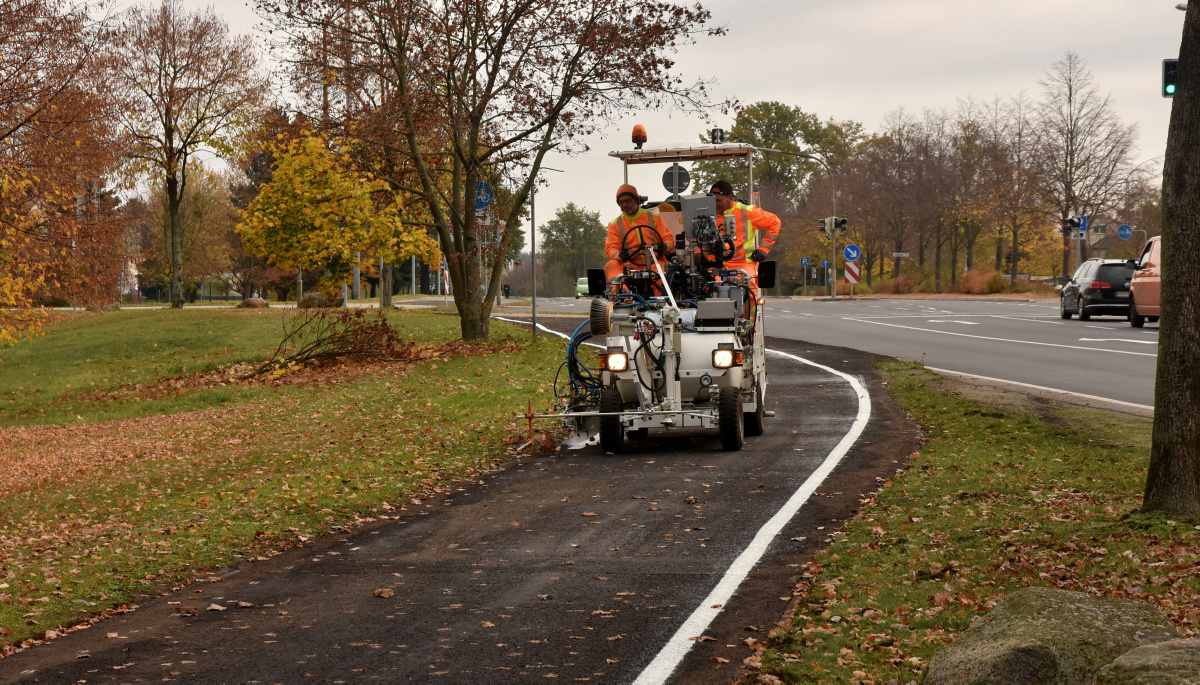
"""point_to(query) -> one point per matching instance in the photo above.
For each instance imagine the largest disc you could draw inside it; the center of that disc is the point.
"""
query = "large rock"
(254, 303)
(1044, 635)
(1174, 662)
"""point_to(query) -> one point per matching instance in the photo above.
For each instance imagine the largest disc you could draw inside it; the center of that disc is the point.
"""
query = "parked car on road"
(1146, 285)
(1099, 287)
(581, 287)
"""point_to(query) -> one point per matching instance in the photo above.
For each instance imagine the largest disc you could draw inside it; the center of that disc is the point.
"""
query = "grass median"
(96, 514)
(1007, 492)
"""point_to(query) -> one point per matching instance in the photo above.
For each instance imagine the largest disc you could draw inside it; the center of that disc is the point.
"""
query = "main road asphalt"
(1018, 341)
(579, 566)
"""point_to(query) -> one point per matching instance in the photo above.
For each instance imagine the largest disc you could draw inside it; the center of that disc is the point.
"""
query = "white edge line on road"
(988, 337)
(561, 335)
(1041, 387)
(669, 658)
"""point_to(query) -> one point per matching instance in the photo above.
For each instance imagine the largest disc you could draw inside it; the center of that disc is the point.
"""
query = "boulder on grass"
(1045, 635)
(254, 303)
(1174, 662)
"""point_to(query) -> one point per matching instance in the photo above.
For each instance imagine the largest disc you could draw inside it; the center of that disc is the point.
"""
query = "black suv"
(1099, 286)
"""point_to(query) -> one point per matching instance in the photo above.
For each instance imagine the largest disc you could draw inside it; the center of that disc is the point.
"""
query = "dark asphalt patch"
(578, 567)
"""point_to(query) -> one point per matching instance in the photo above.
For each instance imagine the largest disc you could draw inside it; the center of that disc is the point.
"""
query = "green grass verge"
(56, 378)
(1006, 493)
(97, 515)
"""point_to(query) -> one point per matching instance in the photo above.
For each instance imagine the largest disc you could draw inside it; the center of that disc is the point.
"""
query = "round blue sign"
(851, 252)
(825, 263)
(483, 196)
(1125, 232)
(804, 261)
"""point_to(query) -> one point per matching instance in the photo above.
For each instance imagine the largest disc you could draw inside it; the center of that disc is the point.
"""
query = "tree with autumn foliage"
(62, 226)
(187, 85)
(319, 211)
(476, 90)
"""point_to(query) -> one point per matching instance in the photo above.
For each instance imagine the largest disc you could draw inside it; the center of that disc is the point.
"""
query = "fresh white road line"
(1018, 318)
(561, 335)
(1041, 387)
(1140, 342)
(988, 337)
(668, 659)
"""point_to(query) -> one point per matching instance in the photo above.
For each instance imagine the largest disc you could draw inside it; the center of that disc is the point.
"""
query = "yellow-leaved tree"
(320, 212)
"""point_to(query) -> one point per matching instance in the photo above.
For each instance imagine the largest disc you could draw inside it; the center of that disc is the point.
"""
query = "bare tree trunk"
(1173, 481)
(1015, 231)
(385, 285)
(1066, 254)
(999, 253)
(174, 193)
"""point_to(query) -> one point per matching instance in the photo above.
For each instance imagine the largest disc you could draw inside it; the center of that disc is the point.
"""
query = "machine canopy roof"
(685, 154)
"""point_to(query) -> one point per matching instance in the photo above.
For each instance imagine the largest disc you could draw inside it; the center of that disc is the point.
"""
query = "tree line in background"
(975, 191)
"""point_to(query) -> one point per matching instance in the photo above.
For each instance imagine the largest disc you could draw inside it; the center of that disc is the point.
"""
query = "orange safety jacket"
(623, 231)
(752, 221)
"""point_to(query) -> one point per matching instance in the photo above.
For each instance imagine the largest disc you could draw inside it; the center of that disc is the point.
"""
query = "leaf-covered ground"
(95, 515)
(1004, 494)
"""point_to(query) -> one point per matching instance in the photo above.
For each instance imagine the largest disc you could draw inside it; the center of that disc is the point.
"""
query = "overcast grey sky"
(861, 59)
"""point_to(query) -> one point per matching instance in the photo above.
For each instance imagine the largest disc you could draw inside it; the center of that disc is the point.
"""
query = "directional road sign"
(483, 195)
(1125, 232)
(852, 272)
(1083, 224)
(899, 254)
(825, 263)
(804, 261)
(851, 252)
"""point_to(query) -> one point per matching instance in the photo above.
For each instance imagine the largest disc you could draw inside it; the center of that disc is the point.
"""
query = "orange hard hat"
(639, 134)
(627, 189)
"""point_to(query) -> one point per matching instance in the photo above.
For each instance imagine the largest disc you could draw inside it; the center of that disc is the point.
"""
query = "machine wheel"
(612, 435)
(730, 418)
(1152, 319)
(1136, 320)
(1062, 308)
(754, 419)
(1084, 314)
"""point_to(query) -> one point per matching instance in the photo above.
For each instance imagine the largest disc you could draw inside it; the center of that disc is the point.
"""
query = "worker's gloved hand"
(623, 255)
(758, 255)
(660, 249)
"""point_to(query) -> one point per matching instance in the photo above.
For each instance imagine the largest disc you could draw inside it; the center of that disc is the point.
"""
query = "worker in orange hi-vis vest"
(631, 233)
(753, 223)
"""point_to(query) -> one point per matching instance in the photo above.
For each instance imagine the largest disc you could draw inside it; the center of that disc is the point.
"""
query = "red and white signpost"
(852, 275)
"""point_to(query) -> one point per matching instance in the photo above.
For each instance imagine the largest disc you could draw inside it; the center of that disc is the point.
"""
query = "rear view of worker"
(631, 233)
(753, 223)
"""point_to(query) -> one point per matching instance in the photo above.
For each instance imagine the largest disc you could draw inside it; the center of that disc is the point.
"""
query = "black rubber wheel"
(754, 419)
(1084, 314)
(612, 435)
(1136, 320)
(730, 419)
(1152, 319)
(1062, 308)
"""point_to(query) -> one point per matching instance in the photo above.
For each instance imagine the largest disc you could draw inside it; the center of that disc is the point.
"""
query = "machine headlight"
(722, 358)
(616, 361)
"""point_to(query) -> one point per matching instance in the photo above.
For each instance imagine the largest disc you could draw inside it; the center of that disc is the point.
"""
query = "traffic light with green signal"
(1170, 68)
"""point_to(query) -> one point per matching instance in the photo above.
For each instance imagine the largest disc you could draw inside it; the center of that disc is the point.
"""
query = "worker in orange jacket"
(753, 224)
(631, 233)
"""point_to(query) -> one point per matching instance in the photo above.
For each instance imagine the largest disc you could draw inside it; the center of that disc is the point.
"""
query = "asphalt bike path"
(579, 567)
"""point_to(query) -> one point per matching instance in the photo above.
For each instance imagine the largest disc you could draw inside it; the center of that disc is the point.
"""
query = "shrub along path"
(1007, 492)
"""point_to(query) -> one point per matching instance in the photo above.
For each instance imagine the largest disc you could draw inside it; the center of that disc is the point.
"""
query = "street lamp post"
(533, 248)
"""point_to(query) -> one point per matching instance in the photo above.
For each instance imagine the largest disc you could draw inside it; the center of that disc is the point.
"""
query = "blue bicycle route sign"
(1125, 232)
(483, 195)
